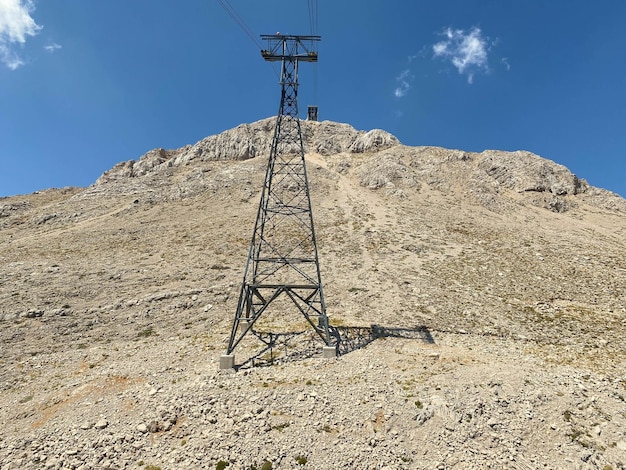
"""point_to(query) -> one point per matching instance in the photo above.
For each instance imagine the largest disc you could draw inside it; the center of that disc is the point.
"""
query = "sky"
(87, 84)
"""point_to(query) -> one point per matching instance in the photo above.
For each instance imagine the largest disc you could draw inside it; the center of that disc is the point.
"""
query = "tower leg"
(329, 351)
(227, 361)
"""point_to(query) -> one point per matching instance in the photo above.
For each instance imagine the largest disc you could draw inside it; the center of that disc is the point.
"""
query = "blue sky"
(87, 84)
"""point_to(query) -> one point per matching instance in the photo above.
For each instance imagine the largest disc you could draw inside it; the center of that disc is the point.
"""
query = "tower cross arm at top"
(290, 47)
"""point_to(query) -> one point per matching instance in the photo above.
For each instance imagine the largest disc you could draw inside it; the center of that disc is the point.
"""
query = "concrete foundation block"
(329, 351)
(227, 361)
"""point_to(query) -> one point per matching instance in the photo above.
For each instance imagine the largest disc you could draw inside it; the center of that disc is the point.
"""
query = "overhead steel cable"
(313, 10)
(228, 8)
(313, 22)
(310, 10)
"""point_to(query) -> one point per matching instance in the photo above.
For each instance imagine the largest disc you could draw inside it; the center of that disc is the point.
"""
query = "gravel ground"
(478, 298)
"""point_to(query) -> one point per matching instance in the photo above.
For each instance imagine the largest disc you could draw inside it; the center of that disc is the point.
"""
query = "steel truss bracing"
(283, 260)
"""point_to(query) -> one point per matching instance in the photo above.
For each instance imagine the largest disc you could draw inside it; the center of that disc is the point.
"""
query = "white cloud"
(9, 58)
(404, 84)
(467, 51)
(15, 25)
(52, 47)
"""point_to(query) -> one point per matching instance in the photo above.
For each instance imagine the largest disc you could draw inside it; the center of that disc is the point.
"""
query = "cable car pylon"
(283, 262)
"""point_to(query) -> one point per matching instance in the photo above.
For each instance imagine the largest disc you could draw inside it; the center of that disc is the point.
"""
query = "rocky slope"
(479, 298)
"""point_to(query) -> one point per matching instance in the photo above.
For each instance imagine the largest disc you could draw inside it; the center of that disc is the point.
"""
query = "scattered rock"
(101, 424)
(154, 426)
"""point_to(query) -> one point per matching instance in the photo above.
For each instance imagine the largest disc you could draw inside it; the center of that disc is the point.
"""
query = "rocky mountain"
(479, 298)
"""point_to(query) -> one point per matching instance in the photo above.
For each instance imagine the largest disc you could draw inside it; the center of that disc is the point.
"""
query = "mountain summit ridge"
(485, 173)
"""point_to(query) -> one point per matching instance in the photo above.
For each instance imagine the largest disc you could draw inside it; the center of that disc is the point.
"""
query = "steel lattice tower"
(283, 260)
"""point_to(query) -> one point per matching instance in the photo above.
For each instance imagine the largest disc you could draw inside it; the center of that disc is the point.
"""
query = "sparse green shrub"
(576, 434)
(26, 399)
(419, 404)
(146, 333)
(221, 465)
(301, 460)
(267, 465)
(282, 426)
